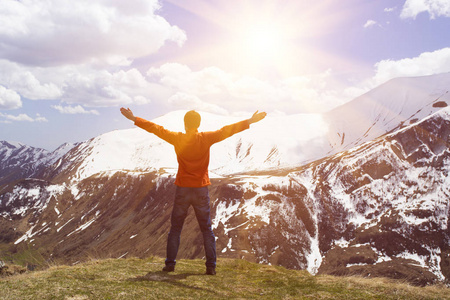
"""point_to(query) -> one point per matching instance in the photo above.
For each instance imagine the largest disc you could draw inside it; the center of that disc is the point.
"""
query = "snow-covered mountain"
(279, 141)
(374, 202)
(20, 161)
(391, 106)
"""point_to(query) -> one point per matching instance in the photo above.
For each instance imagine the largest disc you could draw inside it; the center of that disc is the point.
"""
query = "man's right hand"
(127, 113)
(257, 117)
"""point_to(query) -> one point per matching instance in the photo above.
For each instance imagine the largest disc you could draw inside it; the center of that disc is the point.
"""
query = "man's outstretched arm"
(229, 130)
(149, 126)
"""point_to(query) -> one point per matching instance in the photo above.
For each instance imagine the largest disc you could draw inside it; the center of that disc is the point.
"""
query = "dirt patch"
(10, 270)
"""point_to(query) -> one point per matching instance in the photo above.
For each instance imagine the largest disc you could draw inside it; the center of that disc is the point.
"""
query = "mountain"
(281, 141)
(389, 107)
(20, 161)
(375, 203)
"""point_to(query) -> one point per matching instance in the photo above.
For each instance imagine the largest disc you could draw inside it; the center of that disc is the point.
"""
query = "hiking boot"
(168, 269)
(210, 271)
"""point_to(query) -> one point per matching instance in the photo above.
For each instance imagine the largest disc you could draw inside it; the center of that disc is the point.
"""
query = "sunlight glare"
(267, 38)
(264, 42)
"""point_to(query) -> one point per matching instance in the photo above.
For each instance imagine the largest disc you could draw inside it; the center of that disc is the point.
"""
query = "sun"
(264, 42)
(266, 38)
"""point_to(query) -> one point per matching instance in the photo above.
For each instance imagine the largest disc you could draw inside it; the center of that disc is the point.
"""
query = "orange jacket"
(192, 149)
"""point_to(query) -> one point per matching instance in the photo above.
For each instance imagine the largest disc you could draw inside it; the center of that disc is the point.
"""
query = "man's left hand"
(257, 116)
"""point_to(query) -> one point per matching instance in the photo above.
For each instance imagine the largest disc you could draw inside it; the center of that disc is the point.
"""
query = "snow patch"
(82, 227)
(26, 236)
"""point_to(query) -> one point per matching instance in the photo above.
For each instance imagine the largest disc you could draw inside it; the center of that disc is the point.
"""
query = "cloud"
(176, 86)
(370, 23)
(435, 8)
(171, 84)
(184, 87)
(79, 53)
(210, 80)
(99, 88)
(59, 32)
(390, 9)
(39, 118)
(182, 101)
(427, 63)
(9, 99)
(31, 82)
(74, 110)
(77, 84)
(7, 118)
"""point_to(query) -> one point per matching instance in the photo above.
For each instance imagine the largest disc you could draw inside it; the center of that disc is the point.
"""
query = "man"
(192, 180)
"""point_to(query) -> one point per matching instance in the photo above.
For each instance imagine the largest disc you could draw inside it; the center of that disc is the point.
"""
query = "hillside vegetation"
(134, 278)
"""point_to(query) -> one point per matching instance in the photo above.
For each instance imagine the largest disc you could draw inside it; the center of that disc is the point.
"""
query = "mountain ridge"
(375, 114)
(18, 160)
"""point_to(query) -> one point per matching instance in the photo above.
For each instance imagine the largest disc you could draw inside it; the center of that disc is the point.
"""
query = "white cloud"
(177, 76)
(57, 50)
(390, 9)
(31, 82)
(182, 101)
(74, 110)
(77, 84)
(92, 87)
(370, 23)
(176, 86)
(39, 118)
(171, 84)
(427, 63)
(435, 8)
(184, 87)
(7, 118)
(9, 99)
(58, 32)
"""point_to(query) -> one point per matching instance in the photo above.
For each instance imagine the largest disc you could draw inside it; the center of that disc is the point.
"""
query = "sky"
(66, 67)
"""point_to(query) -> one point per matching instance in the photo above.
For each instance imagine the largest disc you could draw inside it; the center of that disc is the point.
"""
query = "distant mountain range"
(362, 189)
(19, 161)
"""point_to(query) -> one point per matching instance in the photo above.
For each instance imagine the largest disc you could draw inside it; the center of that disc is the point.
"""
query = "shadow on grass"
(162, 276)
(173, 279)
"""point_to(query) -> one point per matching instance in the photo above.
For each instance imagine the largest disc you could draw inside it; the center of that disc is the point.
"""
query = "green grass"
(24, 257)
(236, 279)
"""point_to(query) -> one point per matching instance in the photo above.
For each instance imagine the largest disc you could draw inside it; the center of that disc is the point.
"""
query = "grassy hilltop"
(134, 278)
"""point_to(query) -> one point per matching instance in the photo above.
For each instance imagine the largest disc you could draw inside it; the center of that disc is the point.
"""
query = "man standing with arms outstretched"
(192, 180)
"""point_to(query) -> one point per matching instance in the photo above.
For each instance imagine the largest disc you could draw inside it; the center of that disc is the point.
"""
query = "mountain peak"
(389, 107)
(11, 144)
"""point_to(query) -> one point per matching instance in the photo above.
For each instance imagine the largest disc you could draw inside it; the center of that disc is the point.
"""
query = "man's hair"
(192, 119)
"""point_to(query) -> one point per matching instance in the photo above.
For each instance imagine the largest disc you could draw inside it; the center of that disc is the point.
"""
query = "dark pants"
(199, 199)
